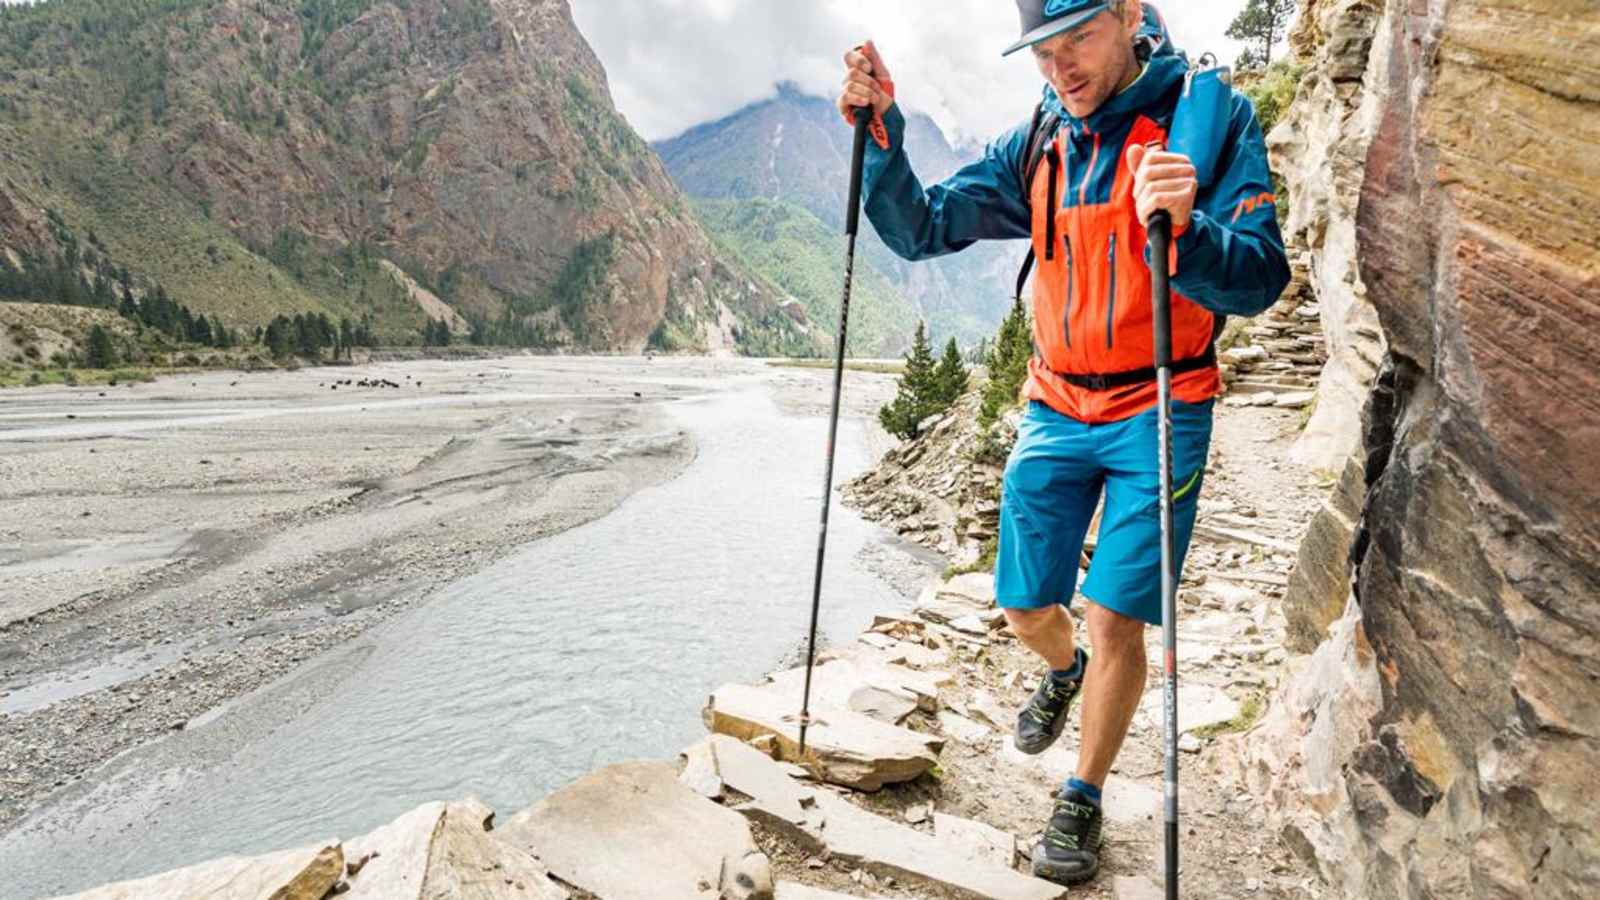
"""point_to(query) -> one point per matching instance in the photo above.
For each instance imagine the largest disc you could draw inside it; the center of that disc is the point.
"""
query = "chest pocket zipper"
(1066, 315)
(1111, 291)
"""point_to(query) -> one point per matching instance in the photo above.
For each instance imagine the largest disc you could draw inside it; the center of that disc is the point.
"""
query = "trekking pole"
(863, 115)
(1160, 234)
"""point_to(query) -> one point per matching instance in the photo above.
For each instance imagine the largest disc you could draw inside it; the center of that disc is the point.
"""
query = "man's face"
(1086, 65)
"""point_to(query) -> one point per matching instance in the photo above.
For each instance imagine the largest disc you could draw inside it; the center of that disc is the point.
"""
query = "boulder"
(632, 830)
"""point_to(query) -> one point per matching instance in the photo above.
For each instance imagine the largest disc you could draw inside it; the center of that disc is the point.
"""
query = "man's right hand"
(866, 82)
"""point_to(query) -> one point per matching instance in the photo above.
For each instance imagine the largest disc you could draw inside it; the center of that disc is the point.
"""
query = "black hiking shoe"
(1042, 720)
(1069, 853)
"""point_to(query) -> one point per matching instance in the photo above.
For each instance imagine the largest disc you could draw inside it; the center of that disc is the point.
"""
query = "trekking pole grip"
(1159, 232)
(863, 118)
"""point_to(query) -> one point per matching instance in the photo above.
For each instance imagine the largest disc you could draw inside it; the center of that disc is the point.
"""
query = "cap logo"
(1057, 7)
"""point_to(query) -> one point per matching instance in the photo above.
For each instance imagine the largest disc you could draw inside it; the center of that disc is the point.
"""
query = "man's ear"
(1132, 17)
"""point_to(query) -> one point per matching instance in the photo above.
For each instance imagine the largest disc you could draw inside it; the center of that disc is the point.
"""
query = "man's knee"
(1112, 632)
(1029, 623)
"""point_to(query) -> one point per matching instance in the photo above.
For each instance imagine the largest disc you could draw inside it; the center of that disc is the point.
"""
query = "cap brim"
(1051, 29)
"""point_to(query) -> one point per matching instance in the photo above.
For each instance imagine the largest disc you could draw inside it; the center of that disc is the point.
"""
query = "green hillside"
(795, 251)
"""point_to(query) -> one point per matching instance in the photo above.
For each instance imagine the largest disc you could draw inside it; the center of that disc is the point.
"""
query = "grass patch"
(1250, 713)
(35, 377)
(881, 368)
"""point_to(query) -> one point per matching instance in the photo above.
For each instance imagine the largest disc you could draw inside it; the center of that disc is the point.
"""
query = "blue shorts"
(1053, 481)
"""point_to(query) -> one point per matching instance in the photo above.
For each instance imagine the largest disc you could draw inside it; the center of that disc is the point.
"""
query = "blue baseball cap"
(1047, 18)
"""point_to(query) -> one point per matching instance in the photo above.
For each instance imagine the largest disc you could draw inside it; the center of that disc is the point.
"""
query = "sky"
(677, 63)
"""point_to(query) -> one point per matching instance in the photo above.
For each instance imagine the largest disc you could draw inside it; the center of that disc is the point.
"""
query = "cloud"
(676, 63)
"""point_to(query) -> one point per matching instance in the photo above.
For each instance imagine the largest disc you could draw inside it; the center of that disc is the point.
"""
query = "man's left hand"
(1162, 180)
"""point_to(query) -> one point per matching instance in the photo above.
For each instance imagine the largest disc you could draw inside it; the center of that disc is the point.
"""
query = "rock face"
(471, 142)
(1319, 149)
(1442, 742)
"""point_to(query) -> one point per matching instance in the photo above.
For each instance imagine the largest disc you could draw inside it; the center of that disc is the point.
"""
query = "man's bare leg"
(1111, 689)
(1047, 632)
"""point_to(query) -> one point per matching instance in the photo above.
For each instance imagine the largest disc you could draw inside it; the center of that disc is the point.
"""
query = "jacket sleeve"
(1231, 259)
(981, 201)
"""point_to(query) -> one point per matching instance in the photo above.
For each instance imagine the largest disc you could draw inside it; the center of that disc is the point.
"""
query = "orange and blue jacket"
(1091, 288)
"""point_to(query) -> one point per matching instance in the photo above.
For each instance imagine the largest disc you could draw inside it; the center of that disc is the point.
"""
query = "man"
(1113, 79)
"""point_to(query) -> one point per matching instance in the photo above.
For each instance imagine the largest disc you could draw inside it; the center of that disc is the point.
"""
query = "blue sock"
(1085, 788)
(1072, 674)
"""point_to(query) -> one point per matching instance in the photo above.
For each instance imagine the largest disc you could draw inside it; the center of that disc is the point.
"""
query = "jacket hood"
(1165, 68)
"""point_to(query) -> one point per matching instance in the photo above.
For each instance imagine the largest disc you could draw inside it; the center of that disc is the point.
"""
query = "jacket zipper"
(1111, 293)
(1066, 315)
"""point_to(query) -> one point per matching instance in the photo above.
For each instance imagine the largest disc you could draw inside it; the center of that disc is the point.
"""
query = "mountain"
(804, 257)
(258, 157)
(795, 149)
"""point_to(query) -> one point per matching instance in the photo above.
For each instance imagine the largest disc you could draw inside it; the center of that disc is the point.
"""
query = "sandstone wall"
(1463, 768)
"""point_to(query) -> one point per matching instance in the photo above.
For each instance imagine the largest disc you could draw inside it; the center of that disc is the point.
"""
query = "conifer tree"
(950, 377)
(101, 355)
(916, 394)
(1007, 363)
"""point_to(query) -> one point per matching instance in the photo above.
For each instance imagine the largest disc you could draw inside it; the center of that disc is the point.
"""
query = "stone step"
(842, 746)
(962, 857)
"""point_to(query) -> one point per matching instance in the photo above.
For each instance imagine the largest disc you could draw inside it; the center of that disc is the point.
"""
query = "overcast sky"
(677, 63)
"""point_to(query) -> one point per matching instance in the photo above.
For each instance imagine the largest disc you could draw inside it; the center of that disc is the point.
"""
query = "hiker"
(1113, 79)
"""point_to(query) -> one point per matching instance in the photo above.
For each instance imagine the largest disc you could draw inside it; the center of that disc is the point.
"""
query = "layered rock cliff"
(1441, 741)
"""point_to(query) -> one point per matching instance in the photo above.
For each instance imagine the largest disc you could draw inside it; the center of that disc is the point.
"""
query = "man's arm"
(1230, 258)
(983, 200)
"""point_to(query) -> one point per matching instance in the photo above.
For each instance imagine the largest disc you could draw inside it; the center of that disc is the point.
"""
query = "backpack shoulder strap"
(1040, 133)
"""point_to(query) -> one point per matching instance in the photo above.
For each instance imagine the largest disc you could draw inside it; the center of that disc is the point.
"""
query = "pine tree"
(916, 394)
(346, 335)
(1260, 25)
(950, 378)
(1007, 363)
(101, 355)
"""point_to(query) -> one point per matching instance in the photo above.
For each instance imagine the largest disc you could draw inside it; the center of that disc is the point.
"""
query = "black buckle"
(1095, 382)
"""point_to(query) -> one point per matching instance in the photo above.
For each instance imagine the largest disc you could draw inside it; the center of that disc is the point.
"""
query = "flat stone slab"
(303, 873)
(962, 728)
(975, 840)
(842, 682)
(1199, 706)
(946, 610)
(884, 847)
(973, 587)
(842, 746)
(632, 831)
(782, 801)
